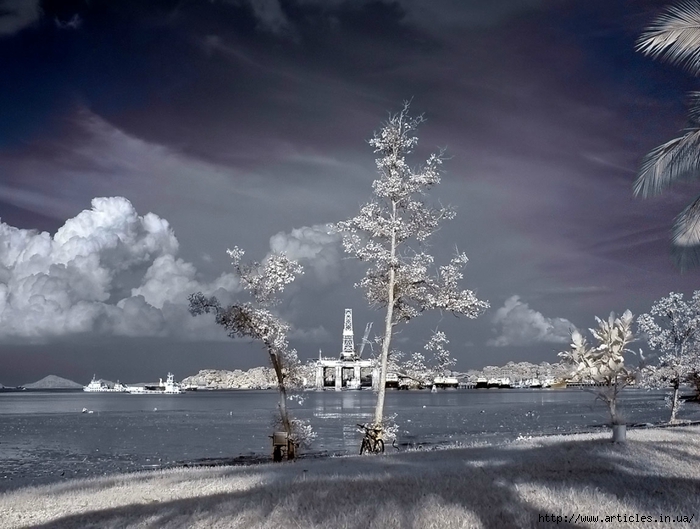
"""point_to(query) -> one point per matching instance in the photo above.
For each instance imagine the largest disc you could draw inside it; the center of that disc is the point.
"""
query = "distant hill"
(53, 382)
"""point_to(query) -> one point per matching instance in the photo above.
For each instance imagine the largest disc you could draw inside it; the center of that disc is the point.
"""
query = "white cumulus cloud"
(517, 324)
(73, 282)
(315, 247)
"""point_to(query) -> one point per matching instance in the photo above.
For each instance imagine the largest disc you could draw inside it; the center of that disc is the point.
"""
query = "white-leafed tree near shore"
(254, 319)
(388, 233)
(672, 328)
(424, 371)
(605, 362)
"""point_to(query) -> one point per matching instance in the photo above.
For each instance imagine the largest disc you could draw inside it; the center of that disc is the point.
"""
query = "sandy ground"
(559, 481)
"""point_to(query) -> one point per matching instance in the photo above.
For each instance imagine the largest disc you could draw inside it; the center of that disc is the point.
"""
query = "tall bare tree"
(674, 37)
(254, 319)
(388, 234)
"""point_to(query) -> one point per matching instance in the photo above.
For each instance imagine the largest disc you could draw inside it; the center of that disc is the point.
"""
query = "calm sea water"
(44, 436)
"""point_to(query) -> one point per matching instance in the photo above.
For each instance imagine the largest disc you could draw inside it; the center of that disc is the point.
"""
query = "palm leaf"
(674, 160)
(694, 109)
(686, 237)
(685, 257)
(686, 230)
(675, 36)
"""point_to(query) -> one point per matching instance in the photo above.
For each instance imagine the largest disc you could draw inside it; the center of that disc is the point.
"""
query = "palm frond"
(685, 257)
(675, 160)
(686, 229)
(694, 109)
(675, 36)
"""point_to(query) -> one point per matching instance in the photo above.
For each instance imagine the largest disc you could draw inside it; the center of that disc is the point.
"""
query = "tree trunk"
(674, 401)
(388, 325)
(694, 378)
(613, 411)
(284, 415)
(612, 403)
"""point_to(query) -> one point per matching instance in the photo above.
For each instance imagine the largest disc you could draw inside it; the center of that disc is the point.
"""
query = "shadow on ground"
(516, 485)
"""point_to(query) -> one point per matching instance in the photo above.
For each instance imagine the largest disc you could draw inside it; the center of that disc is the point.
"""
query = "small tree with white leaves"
(254, 319)
(672, 327)
(420, 368)
(387, 235)
(442, 362)
(604, 363)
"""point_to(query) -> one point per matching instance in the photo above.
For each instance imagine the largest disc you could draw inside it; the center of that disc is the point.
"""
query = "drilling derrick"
(346, 372)
(348, 351)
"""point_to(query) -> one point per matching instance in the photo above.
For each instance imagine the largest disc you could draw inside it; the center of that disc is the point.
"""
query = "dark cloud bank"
(245, 123)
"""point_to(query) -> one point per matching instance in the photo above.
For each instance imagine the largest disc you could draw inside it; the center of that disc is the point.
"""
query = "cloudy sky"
(140, 140)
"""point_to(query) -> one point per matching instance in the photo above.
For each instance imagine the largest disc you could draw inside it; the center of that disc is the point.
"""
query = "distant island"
(53, 382)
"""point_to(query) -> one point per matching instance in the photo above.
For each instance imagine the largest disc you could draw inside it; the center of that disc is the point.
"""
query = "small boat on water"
(481, 382)
(16, 388)
(445, 382)
(169, 387)
(493, 383)
(533, 383)
(100, 386)
(392, 380)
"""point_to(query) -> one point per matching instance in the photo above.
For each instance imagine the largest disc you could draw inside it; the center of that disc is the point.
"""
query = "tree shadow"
(487, 485)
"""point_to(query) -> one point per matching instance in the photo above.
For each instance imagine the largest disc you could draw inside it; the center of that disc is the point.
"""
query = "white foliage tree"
(253, 319)
(604, 363)
(414, 367)
(387, 235)
(442, 362)
(671, 328)
(423, 368)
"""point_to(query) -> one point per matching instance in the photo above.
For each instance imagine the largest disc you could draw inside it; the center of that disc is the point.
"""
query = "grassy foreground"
(657, 472)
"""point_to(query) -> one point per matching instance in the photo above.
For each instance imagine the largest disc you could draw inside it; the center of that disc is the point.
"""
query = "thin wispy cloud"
(73, 22)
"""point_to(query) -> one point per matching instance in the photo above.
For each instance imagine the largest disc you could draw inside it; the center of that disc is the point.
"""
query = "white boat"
(505, 382)
(445, 382)
(169, 387)
(534, 383)
(100, 386)
(493, 382)
(392, 380)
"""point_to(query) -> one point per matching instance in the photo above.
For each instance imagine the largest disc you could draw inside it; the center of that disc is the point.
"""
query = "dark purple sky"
(245, 122)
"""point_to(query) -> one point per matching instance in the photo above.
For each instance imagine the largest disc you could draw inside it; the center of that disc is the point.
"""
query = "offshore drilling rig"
(349, 370)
